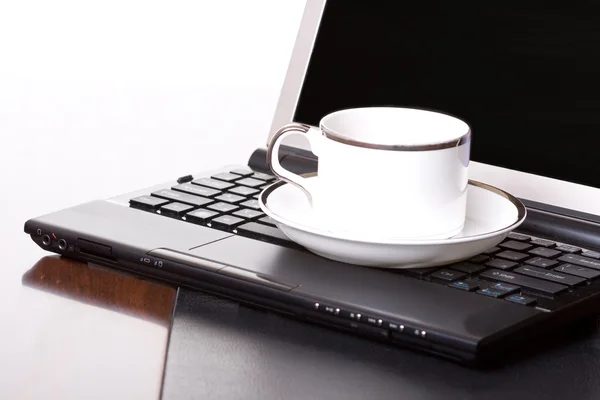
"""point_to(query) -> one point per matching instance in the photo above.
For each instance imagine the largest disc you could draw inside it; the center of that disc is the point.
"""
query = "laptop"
(523, 77)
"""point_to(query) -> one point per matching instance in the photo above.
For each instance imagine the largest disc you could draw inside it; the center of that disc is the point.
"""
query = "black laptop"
(525, 78)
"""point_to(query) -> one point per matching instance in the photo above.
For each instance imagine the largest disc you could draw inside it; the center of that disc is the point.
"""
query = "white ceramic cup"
(385, 172)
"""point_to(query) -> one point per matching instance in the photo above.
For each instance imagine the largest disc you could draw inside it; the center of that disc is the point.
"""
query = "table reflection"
(79, 331)
(98, 286)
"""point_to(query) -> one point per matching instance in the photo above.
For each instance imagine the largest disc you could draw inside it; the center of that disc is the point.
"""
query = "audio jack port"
(62, 244)
(46, 240)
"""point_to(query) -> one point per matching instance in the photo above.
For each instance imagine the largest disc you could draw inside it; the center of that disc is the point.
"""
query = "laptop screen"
(524, 75)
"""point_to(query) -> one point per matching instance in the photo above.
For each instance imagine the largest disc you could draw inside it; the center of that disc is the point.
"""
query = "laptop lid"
(522, 75)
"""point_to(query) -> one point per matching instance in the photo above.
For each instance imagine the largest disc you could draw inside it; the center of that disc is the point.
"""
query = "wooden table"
(72, 330)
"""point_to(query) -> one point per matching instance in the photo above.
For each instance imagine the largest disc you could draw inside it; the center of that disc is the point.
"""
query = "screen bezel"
(540, 189)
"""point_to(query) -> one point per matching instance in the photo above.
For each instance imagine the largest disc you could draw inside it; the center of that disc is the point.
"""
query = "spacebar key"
(263, 232)
(536, 285)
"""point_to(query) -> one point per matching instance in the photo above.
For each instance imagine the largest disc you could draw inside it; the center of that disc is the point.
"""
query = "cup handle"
(313, 136)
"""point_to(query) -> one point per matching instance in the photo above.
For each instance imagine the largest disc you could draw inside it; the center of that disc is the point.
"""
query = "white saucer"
(491, 215)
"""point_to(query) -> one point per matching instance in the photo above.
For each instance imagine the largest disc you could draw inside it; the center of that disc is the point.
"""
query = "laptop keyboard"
(524, 270)
(226, 201)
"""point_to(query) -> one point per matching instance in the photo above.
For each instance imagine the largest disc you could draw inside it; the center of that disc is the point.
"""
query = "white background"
(98, 98)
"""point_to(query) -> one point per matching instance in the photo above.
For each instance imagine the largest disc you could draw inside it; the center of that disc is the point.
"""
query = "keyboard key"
(468, 284)
(514, 245)
(175, 209)
(479, 259)
(212, 183)
(543, 243)
(568, 248)
(550, 275)
(591, 254)
(518, 236)
(501, 264)
(261, 231)
(541, 262)
(147, 202)
(466, 267)
(418, 272)
(243, 172)
(504, 287)
(447, 275)
(197, 190)
(519, 299)
(580, 260)
(544, 252)
(578, 271)
(200, 216)
(250, 182)
(247, 213)
(491, 292)
(223, 207)
(263, 177)
(185, 179)
(512, 255)
(252, 204)
(182, 197)
(226, 222)
(537, 285)
(244, 191)
(226, 176)
(492, 251)
(231, 198)
(267, 221)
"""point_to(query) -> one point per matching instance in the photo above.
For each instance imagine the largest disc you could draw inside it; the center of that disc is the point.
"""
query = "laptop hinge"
(296, 160)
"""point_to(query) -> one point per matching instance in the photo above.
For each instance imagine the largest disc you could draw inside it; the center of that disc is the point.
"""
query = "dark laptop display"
(524, 75)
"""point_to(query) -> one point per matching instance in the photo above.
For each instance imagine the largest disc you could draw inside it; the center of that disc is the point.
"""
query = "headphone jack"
(62, 244)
